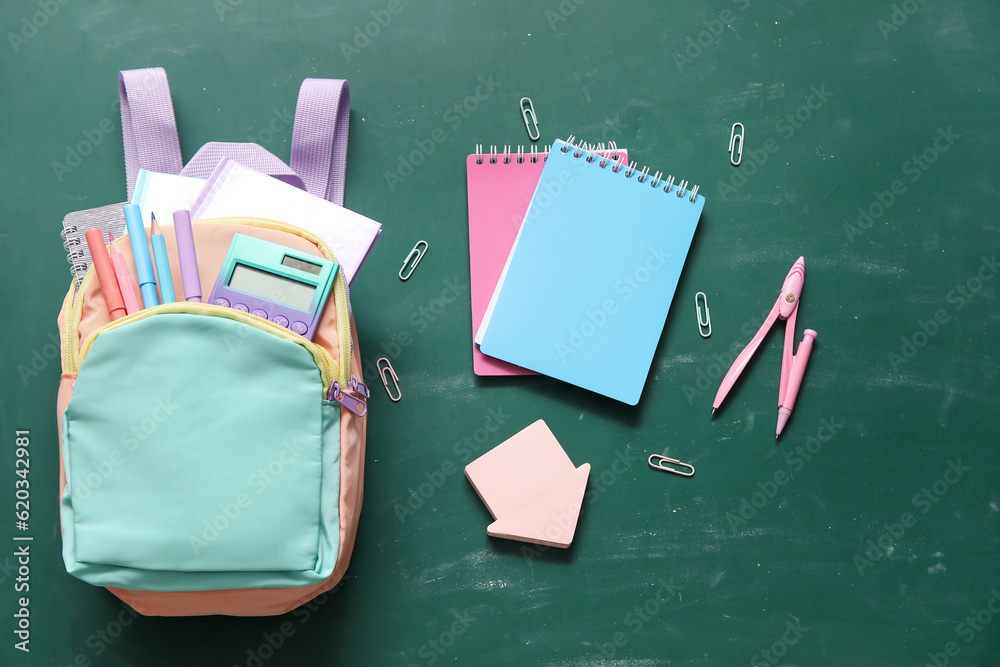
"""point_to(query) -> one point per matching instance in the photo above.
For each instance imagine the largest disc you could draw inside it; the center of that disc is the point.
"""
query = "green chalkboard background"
(869, 535)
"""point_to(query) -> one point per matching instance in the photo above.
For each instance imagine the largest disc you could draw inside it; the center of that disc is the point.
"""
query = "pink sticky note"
(531, 488)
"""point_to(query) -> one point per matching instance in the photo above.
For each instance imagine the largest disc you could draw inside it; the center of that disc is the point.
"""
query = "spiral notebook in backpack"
(153, 192)
(109, 219)
(586, 289)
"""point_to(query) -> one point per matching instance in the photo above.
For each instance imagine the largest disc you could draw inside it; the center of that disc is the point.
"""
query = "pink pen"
(124, 280)
(793, 367)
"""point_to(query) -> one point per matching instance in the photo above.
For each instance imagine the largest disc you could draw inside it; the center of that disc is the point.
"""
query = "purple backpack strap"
(319, 136)
(148, 124)
(254, 156)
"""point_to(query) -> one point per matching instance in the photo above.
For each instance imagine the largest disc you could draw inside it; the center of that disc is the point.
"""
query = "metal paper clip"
(736, 152)
(660, 460)
(385, 382)
(704, 324)
(415, 256)
(528, 110)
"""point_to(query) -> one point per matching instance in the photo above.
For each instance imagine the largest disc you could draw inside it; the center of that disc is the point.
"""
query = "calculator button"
(299, 327)
(280, 320)
(242, 307)
(222, 302)
(259, 313)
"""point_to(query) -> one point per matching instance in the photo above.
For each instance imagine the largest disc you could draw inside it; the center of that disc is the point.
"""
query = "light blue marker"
(140, 255)
(162, 261)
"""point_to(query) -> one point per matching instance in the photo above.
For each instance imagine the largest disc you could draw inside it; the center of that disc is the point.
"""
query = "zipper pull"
(355, 405)
(359, 387)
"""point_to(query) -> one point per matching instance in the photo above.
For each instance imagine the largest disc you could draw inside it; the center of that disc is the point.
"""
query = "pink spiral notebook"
(501, 186)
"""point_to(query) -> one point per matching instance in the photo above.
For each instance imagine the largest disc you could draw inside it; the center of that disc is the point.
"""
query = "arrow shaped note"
(531, 488)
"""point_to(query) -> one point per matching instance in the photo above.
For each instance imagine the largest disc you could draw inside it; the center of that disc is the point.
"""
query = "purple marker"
(187, 256)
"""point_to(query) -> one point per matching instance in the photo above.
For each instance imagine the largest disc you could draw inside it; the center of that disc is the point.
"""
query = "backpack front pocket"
(200, 454)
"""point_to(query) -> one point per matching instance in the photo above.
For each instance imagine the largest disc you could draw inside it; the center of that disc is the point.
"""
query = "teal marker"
(140, 255)
(162, 261)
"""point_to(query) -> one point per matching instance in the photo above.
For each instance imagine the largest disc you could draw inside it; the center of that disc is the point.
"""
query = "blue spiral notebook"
(587, 286)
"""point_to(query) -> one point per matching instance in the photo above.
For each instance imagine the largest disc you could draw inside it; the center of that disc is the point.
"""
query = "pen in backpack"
(124, 279)
(162, 261)
(105, 273)
(140, 255)
(186, 256)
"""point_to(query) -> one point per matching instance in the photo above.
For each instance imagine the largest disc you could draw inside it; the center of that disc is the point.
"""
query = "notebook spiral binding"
(534, 155)
(584, 149)
(77, 253)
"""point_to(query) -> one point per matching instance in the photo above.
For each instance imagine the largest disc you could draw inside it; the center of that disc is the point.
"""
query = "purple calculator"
(288, 287)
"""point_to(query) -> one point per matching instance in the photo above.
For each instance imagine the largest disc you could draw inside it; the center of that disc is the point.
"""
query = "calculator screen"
(301, 265)
(272, 287)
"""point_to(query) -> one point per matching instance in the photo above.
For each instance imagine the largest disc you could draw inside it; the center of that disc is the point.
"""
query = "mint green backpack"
(211, 461)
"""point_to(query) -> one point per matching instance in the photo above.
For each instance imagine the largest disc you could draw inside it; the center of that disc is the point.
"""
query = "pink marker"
(124, 280)
(105, 274)
(793, 367)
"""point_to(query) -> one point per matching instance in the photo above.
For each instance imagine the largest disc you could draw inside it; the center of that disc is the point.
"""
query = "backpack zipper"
(329, 368)
(74, 354)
